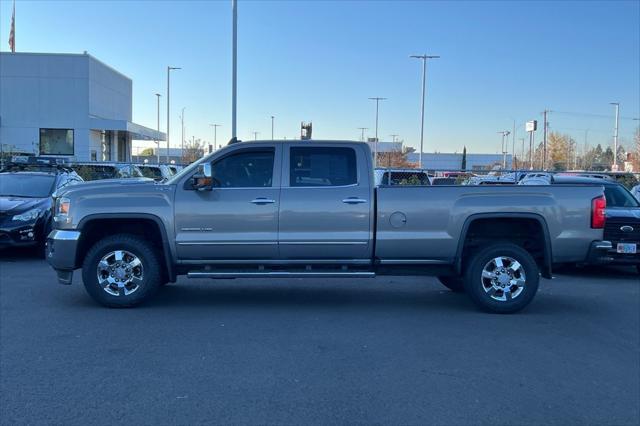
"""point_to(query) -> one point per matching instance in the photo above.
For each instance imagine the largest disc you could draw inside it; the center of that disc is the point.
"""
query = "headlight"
(28, 216)
(62, 206)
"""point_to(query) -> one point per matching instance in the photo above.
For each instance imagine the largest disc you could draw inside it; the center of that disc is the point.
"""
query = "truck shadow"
(321, 296)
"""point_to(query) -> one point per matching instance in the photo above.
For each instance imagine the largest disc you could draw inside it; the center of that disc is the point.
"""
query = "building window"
(56, 141)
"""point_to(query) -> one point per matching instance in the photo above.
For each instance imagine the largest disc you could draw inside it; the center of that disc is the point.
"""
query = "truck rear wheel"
(502, 278)
(121, 271)
(453, 283)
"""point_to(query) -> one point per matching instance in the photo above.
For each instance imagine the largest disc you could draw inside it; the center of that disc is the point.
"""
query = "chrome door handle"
(262, 200)
(354, 200)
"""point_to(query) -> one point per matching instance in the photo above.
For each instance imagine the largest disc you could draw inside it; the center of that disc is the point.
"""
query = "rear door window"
(322, 166)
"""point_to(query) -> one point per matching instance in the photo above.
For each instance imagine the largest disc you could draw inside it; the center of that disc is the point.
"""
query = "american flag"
(12, 32)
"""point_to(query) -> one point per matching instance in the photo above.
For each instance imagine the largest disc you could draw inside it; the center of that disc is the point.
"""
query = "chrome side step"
(280, 274)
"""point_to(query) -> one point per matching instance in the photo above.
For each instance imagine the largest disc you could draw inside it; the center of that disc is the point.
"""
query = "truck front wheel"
(121, 271)
(502, 278)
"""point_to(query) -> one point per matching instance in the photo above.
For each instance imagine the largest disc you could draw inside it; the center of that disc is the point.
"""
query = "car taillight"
(598, 214)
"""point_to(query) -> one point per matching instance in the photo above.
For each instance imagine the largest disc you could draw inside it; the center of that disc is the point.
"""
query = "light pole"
(615, 137)
(255, 135)
(234, 68)
(424, 79)
(393, 138)
(215, 135)
(182, 136)
(362, 129)
(375, 149)
(504, 134)
(169, 69)
(158, 141)
(272, 117)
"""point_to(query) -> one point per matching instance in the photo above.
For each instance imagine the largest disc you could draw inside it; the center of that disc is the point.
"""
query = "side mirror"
(203, 179)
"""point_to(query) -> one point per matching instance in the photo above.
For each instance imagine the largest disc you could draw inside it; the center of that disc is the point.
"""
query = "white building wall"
(42, 91)
(59, 91)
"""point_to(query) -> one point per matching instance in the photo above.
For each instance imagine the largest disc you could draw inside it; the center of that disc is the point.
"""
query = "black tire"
(453, 283)
(475, 284)
(143, 250)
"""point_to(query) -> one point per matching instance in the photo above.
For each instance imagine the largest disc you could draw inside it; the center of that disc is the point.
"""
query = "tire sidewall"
(134, 245)
(473, 278)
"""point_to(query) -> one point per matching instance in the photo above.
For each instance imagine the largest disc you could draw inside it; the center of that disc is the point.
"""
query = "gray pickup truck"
(311, 209)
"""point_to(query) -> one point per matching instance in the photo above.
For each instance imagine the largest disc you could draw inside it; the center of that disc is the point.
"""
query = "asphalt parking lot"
(388, 350)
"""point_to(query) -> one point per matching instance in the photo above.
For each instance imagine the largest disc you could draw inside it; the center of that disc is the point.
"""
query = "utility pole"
(272, 127)
(615, 137)
(393, 138)
(375, 150)
(424, 79)
(234, 70)
(169, 69)
(362, 129)
(513, 143)
(545, 127)
(255, 135)
(158, 141)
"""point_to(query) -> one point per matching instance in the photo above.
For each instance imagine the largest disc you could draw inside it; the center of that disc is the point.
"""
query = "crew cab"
(274, 209)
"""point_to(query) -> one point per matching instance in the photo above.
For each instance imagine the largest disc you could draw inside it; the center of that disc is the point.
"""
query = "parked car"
(401, 177)
(277, 209)
(105, 170)
(635, 191)
(26, 186)
(622, 228)
(157, 172)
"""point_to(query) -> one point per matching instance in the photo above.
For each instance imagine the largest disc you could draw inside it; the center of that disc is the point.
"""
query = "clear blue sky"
(321, 60)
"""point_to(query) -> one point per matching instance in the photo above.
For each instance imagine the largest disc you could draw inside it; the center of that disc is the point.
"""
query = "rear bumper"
(604, 252)
(61, 253)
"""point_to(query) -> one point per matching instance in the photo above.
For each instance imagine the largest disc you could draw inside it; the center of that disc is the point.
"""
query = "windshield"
(189, 169)
(25, 185)
(617, 196)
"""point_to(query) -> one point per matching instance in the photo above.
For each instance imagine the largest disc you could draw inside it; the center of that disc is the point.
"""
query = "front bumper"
(62, 246)
(20, 234)
(604, 252)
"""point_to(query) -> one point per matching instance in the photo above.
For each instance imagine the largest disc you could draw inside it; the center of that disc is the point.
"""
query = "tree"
(558, 151)
(464, 159)
(193, 151)
(395, 159)
(636, 155)
(147, 152)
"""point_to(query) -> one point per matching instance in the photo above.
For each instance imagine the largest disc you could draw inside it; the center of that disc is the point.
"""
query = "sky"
(502, 62)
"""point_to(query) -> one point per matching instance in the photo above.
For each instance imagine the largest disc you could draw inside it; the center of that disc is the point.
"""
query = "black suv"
(26, 186)
(622, 225)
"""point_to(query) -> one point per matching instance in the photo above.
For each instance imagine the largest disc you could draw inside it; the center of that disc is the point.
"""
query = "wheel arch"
(546, 261)
(95, 226)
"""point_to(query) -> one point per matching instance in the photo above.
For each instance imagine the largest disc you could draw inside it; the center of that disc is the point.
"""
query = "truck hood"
(116, 184)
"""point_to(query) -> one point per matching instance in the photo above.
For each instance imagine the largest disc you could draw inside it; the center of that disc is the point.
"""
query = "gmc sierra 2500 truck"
(275, 209)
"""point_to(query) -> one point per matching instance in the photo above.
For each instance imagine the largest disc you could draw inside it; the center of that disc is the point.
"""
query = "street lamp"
(234, 68)
(424, 79)
(362, 129)
(182, 135)
(158, 140)
(615, 136)
(272, 127)
(375, 149)
(169, 69)
(215, 134)
(504, 134)
(255, 135)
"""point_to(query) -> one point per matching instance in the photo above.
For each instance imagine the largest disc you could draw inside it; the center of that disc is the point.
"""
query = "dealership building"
(67, 105)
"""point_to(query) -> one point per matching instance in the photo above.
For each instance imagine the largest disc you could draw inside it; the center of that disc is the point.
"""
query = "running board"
(279, 274)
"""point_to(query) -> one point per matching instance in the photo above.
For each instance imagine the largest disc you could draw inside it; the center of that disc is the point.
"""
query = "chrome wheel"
(120, 273)
(503, 278)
